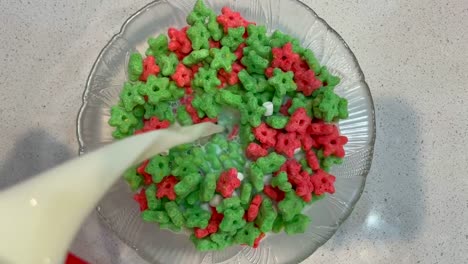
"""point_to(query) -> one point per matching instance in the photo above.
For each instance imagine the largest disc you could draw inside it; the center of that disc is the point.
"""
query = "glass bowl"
(120, 212)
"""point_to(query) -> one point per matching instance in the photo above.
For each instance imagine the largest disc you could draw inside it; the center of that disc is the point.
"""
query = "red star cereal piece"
(284, 57)
(274, 193)
(299, 121)
(213, 224)
(146, 176)
(323, 182)
(166, 188)
(230, 19)
(332, 144)
(239, 52)
(149, 68)
(265, 134)
(155, 124)
(312, 160)
(182, 75)
(305, 188)
(227, 183)
(255, 151)
(231, 78)
(308, 142)
(179, 42)
(299, 66)
(306, 82)
(140, 198)
(321, 129)
(287, 143)
(254, 207)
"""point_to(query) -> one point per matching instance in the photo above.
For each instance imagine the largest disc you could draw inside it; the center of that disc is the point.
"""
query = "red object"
(306, 82)
(269, 72)
(332, 144)
(287, 143)
(73, 259)
(149, 68)
(230, 19)
(274, 193)
(166, 188)
(228, 182)
(323, 182)
(299, 66)
(231, 78)
(239, 52)
(182, 76)
(320, 129)
(307, 142)
(140, 198)
(284, 108)
(257, 240)
(155, 124)
(299, 121)
(265, 134)
(305, 188)
(312, 159)
(146, 176)
(284, 57)
(255, 151)
(195, 68)
(215, 44)
(213, 224)
(254, 207)
(234, 132)
(179, 42)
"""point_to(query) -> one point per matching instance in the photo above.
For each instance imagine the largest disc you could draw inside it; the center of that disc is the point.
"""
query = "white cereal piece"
(216, 200)
(269, 108)
(240, 176)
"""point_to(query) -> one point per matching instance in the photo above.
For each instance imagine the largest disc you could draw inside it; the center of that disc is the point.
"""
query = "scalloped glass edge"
(372, 131)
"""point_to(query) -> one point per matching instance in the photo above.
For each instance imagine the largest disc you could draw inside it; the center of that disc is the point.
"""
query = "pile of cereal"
(278, 105)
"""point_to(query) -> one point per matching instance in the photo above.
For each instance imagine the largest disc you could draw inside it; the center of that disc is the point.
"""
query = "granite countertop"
(415, 57)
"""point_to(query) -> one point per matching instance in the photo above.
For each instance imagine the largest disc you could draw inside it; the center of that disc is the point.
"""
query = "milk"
(40, 217)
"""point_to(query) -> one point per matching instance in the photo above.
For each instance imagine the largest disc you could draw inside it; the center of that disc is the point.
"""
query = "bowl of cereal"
(299, 137)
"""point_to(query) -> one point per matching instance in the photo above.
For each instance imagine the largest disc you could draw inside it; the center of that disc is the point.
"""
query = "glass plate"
(120, 212)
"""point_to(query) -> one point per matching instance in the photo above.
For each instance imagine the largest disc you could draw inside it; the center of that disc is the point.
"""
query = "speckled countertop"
(414, 54)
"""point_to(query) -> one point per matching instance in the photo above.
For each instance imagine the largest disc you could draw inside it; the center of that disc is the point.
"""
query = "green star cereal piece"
(139, 111)
(157, 46)
(326, 104)
(278, 39)
(228, 203)
(290, 206)
(252, 113)
(283, 82)
(277, 121)
(246, 135)
(175, 91)
(281, 181)
(234, 37)
(327, 162)
(163, 111)
(254, 62)
(226, 97)
(271, 162)
(175, 213)
(278, 224)
(208, 187)
(266, 216)
(199, 13)
(130, 96)
(153, 202)
(223, 239)
(158, 167)
(245, 193)
(199, 36)
(233, 220)
(122, 120)
(195, 57)
(301, 101)
(135, 66)
(207, 79)
(204, 244)
(257, 34)
(133, 178)
(183, 116)
(207, 104)
(247, 234)
(297, 225)
(215, 29)
(256, 177)
(327, 78)
(156, 89)
(168, 64)
(248, 82)
(312, 61)
(196, 217)
(222, 59)
(188, 184)
(160, 217)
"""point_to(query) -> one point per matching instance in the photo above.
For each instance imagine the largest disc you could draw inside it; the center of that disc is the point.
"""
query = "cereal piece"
(299, 121)
(323, 182)
(329, 80)
(193, 198)
(279, 39)
(179, 41)
(149, 68)
(332, 144)
(157, 46)
(327, 162)
(273, 193)
(222, 59)
(248, 82)
(312, 160)
(182, 76)
(155, 124)
(306, 82)
(257, 34)
(312, 61)
(208, 187)
(140, 198)
(133, 179)
(207, 104)
(232, 77)
(166, 188)
(281, 182)
(270, 163)
(188, 184)
(158, 167)
(122, 120)
(228, 98)
(254, 208)
(135, 66)
(297, 225)
(183, 117)
(251, 112)
(227, 182)
(233, 38)
(247, 235)
(290, 206)
(239, 52)
(160, 217)
(207, 80)
(278, 224)
(199, 36)
(175, 214)
(245, 193)
(156, 89)
(204, 244)
(268, 108)
(265, 134)
(277, 121)
(196, 57)
(153, 202)
(162, 111)
(228, 203)
(223, 239)
(230, 19)
(300, 66)
(282, 82)
(256, 177)
(233, 220)
(257, 240)
(168, 64)
(305, 187)
(254, 63)
(196, 217)
(266, 216)
(255, 151)
(215, 29)
(287, 143)
(284, 57)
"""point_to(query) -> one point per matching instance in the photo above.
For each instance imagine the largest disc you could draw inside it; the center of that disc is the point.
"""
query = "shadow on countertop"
(34, 152)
